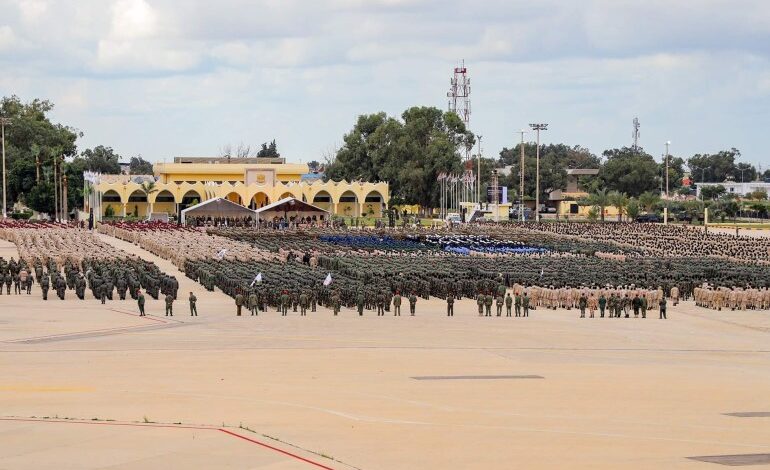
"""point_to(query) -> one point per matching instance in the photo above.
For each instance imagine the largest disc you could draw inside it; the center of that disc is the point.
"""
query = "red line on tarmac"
(254, 441)
(171, 426)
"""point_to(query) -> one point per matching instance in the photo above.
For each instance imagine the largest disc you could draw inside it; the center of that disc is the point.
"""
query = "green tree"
(713, 192)
(409, 153)
(268, 150)
(715, 168)
(101, 159)
(758, 195)
(619, 201)
(648, 200)
(140, 166)
(629, 171)
(31, 138)
(601, 200)
(632, 208)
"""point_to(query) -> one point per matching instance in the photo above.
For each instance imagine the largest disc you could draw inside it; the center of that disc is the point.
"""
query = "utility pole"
(55, 190)
(537, 128)
(478, 174)
(668, 143)
(63, 191)
(4, 121)
(521, 177)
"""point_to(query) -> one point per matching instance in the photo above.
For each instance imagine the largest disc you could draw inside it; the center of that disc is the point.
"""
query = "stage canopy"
(289, 207)
(218, 207)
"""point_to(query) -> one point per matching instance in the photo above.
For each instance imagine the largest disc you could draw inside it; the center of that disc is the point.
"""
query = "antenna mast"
(636, 134)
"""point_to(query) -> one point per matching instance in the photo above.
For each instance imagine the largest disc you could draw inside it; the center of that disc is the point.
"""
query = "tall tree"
(409, 153)
(717, 167)
(630, 171)
(140, 166)
(101, 159)
(31, 138)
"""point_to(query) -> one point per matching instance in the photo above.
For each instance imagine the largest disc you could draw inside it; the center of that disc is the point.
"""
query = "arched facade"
(338, 197)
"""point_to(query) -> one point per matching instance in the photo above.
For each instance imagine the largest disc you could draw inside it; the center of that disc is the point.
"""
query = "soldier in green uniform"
(8, 281)
(602, 305)
(285, 300)
(517, 304)
(480, 303)
(44, 284)
(140, 303)
(169, 305)
(303, 304)
(499, 301)
(397, 304)
(193, 308)
(238, 303)
(662, 307)
(643, 306)
(360, 301)
(380, 301)
(103, 293)
(450, 305)
(525, 305)
(336, 303)
(412, 303)
(508, 304)
(488, 299)
(637, 304)
(253, 303)
(582, 304)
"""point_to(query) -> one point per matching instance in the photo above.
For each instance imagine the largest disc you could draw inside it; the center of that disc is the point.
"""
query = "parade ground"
(88, 386)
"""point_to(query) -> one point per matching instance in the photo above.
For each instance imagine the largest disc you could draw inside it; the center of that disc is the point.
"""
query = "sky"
(166, 78)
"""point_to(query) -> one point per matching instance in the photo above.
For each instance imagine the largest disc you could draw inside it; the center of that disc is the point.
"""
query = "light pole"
(537, 128)
(668, 143)
(521, 177)
(478, 174)
(4, 121)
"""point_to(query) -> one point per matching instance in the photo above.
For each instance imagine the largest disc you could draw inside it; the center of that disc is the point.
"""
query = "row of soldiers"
(734, 298)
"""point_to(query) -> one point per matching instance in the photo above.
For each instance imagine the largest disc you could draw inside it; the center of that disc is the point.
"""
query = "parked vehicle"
(649, 218)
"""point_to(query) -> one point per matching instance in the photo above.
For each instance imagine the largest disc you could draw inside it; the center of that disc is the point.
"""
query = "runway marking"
(93, 333)
(172, 426)
(750, 414)
(476, 377)
(737, 460)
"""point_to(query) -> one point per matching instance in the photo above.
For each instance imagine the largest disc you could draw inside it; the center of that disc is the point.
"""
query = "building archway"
(373, 203)
(348, 205)
(234, 197)
(163, 201)
(111, 198)
(260, 200)
(137, 206)
(323, 200)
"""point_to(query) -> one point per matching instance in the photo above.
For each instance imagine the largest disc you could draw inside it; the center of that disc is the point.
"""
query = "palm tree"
(148, 187)
(601, 200)
(648, 200)
(619, 201)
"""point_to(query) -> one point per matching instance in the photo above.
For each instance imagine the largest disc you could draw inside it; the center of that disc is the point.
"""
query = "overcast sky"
(164, 78)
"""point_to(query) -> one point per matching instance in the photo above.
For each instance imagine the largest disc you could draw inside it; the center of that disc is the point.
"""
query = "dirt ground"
(88, 386)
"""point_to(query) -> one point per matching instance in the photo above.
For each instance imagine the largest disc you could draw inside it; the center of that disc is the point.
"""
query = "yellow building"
(251, 182)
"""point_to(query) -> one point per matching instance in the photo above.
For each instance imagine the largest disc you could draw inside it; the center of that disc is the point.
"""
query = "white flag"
(257, 280)
(221, 254)
(328, 279)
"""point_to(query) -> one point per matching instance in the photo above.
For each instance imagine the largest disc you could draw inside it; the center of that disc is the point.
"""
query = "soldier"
(44, 284)
(285, 300)
(253, 303)
(140, 302)
(102, 291)
(61, 286)
(582, 304)
(662, 307)
(508, 304)
(525, 304)
(602, 304)
(412, 303)
(380, 301)
(636, 304)
(643, 306)
(16, 284)
(80, 287)
(517, 303)
(450, 305)
(122, 286)
(480, 298)
(360, 301)
(169, 305)
(336, 302)
(193, 308)
(238, 303)
(397, 304)
(303, 304)
(8, 282)
(488, 304)
(294, 301)
(313, 299)
(499, 304)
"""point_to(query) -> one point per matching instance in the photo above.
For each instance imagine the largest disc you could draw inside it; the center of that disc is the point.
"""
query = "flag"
(257, 280)
(328, 279)
(222, 253)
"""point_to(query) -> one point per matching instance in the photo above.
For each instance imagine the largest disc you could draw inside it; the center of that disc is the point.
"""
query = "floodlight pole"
(668, 143)
(537, 128)
(478, 174)
(521, 177)
(4, 122)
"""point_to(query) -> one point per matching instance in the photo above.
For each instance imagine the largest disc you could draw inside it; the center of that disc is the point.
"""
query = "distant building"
(251, 182)
(737, 188)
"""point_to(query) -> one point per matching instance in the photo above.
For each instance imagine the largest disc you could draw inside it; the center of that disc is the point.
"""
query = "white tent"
(218, 207)
(289, 207)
